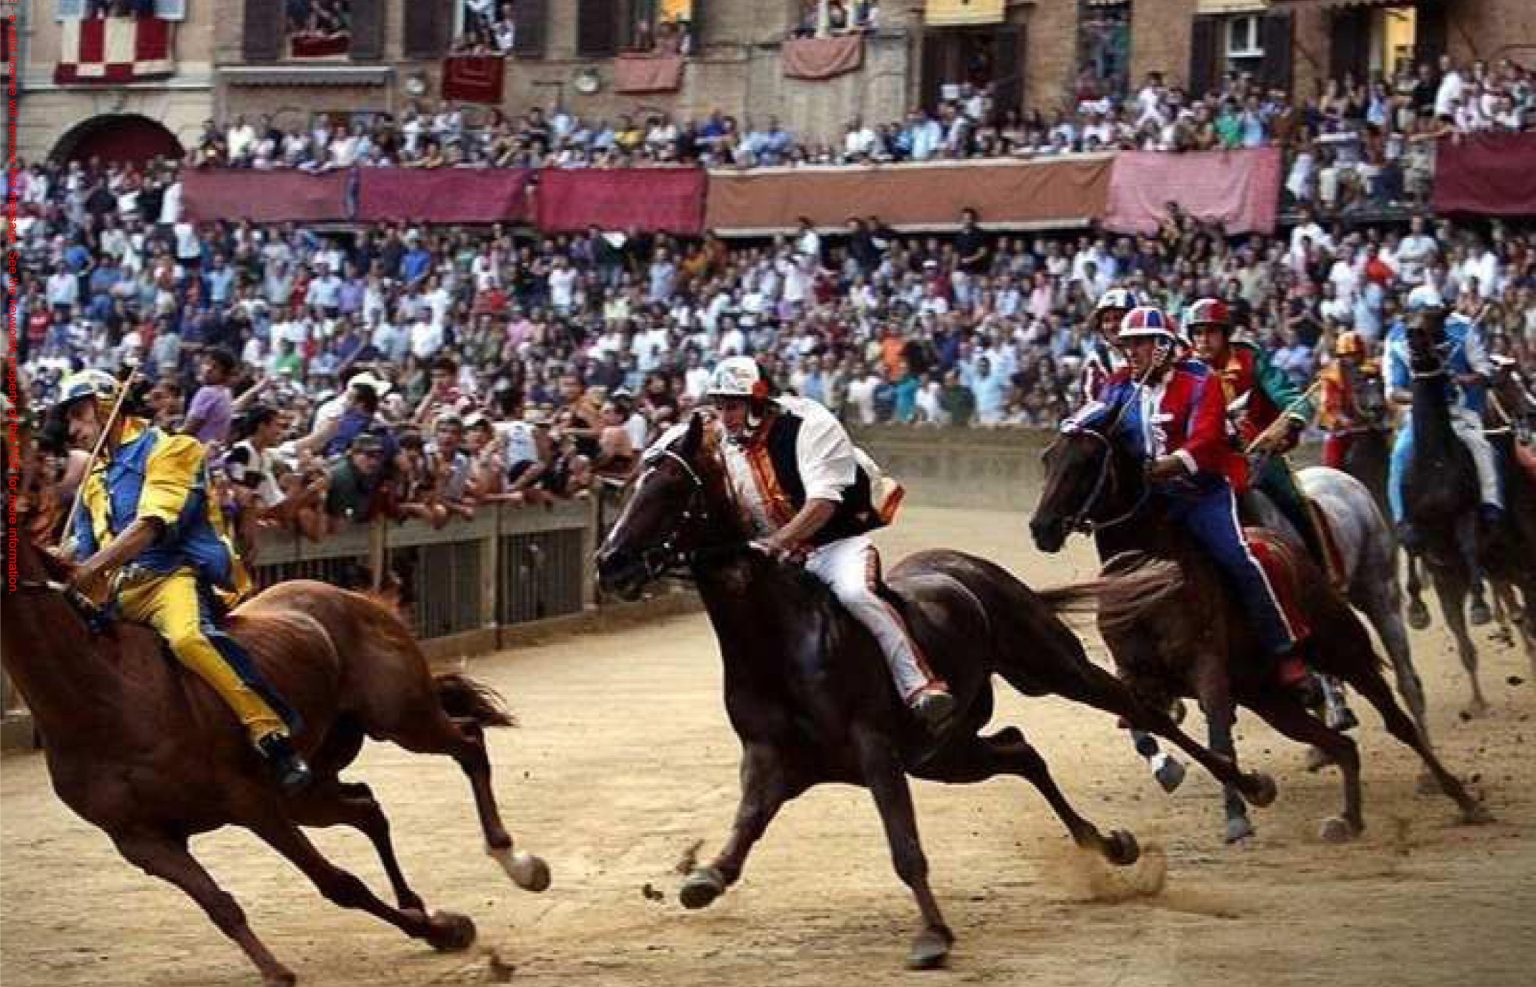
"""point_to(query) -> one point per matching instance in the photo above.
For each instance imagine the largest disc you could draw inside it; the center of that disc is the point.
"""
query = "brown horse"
(809, 694)
(1174, 631)
(147, 752)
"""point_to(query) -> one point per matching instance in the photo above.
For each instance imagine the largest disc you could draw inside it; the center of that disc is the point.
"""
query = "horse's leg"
(1418, 613)
(342, 804)
(1168, 771)
(1381, 601)
(1081, 681)
(1466, 543)
(887, 782)
(1374, 689)
(1337, 713)
(445, 931)
(1503, 598)
(1214, 691)
(1451, 588)
(1007, 752)
(1283, 712)
(764, 790)
(463, 739)
(168, 859)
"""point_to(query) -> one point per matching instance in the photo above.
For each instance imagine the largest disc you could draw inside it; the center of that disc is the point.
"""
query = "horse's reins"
(1079, 520)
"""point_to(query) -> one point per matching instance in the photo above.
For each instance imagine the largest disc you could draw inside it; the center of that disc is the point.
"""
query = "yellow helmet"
(84, 384)
(1349, 344)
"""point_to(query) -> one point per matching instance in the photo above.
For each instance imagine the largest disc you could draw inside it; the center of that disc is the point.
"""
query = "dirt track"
(625, 759)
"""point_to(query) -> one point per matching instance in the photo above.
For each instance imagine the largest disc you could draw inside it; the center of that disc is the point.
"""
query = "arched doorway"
(118, 137)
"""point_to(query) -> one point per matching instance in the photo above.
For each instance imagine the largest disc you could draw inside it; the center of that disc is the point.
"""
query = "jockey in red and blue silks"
(1175, 413)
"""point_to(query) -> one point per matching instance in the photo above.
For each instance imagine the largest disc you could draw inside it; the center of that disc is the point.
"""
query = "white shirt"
(426, 339)
(824, 457)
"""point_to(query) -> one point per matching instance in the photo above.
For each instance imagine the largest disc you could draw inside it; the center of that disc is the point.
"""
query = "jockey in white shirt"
(806, 491)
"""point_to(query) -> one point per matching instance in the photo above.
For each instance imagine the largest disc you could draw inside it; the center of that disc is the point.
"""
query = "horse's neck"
(1431, 419)
(751, 613)
(53, 658)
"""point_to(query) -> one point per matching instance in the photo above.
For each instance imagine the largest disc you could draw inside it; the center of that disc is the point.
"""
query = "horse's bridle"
(1079, 520)
(664, 556)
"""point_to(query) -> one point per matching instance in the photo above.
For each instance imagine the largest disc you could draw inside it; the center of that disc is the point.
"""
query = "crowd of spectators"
(399, 371)
(1355, 145)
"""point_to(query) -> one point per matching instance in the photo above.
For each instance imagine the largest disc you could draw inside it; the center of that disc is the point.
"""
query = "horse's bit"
(1079, 520)
(664, 556)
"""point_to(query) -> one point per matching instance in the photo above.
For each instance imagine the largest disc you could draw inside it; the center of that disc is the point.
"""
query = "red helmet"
(1207, 312)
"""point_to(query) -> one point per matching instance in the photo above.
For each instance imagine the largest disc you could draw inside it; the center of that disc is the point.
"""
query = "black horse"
(809, 694)
(1369, 456)
(1441, 501)
(1175, 631)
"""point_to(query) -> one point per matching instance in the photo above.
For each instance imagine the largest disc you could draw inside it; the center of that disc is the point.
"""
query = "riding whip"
(1305, 397)
(101, 440)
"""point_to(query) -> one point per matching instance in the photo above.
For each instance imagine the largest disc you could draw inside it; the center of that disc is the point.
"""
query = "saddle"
(1257, 509)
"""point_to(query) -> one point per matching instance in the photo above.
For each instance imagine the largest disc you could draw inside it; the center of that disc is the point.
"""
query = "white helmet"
(1424, 296)
(737, 377)
(1123, 299)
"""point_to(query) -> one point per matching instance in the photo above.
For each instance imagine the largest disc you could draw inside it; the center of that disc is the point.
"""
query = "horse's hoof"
(1418, 615)
(1121, 849)
(1261, 790)
(930, 949)
(1478, 614)
(281, 977)
(1336, 829)
(702, 887)
(1476, 814)
(451, 932)
(529, 872)
(1317, 759)
(1504, 638)
(1238, 830)
(1475, 710)
(1170, 774)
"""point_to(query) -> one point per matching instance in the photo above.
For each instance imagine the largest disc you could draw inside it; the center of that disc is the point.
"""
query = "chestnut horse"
(147, 752)
(1174, 631)
(810, 696)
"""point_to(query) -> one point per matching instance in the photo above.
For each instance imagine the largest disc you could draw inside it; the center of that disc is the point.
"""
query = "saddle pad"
(1280, 563)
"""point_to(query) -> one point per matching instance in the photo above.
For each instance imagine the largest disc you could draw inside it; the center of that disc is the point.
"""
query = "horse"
(1441, 500)
(808, 691)
(145, 750)
(1174, 631)
(1369, 455)
(1508, 423)
(1367, 549)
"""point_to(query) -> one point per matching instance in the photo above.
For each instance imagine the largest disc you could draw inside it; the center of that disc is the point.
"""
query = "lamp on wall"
(587, 82)
(416, 85)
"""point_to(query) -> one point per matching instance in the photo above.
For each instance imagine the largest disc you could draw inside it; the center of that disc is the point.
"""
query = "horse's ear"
(694, 436)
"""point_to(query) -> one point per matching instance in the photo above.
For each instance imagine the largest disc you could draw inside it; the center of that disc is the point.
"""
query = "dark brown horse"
(809, 694)
(1174, 631)
(147, 752)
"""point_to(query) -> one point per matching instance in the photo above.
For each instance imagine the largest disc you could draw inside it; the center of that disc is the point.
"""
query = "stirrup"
(933, 708)
(288, 769)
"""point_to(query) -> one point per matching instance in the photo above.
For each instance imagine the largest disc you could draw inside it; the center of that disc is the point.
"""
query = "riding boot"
(933, 707)
(288, 769)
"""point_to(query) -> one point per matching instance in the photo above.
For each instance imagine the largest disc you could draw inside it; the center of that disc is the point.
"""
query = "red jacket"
(1189, 421)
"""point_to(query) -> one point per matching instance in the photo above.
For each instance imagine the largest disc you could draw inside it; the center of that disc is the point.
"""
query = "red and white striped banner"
(114, 50)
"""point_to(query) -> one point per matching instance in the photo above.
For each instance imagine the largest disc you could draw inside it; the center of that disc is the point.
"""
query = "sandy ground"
(625, 760)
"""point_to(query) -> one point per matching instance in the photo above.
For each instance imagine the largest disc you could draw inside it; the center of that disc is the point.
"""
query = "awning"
(1339, 4)
(286, 75)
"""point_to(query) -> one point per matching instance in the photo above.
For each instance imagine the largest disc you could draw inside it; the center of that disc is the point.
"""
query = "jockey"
(1104, 356)
(1257, 397)
(1470, 370)
(799, 481)
(1341, 416)
(1176, 412)
(145, 523)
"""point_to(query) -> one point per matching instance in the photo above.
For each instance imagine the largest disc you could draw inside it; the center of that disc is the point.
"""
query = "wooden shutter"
(1349, 48)
(1007, 69)
(427, 25)
(696, 25)
(367, 30)
(532, 18)
(597, 28)
(1429, 32)
(263, 37)
(933, 69)
(1204, 47)
(1275, 37)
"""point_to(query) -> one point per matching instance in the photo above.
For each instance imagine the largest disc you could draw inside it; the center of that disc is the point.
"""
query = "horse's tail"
(1129, 585)
(462, 696)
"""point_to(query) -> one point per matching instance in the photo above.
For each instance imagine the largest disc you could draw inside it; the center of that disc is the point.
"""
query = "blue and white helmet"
(84, 384)
(1123, 299)
(737, 377)
(1425, 296)
(1151, 322)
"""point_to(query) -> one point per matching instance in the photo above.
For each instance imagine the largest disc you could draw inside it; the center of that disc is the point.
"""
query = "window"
(318, 28)
(1245, 49)
(169, 10)
(499, 27)
(605, 27)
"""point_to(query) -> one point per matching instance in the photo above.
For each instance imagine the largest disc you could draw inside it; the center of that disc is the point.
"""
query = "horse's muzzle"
(1049, 534)
(621, 573)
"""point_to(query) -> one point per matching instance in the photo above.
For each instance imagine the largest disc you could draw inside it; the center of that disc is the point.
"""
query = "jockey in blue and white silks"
(1466, 356)
(1176, 413)
(1101, 351)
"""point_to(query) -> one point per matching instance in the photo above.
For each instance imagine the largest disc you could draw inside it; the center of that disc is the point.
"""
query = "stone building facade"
(237, 56)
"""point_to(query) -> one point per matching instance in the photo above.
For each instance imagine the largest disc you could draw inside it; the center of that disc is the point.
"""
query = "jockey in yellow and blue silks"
(146, 524)
(1469, 370)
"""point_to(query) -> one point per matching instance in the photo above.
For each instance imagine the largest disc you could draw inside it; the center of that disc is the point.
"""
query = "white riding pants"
(850, 567)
